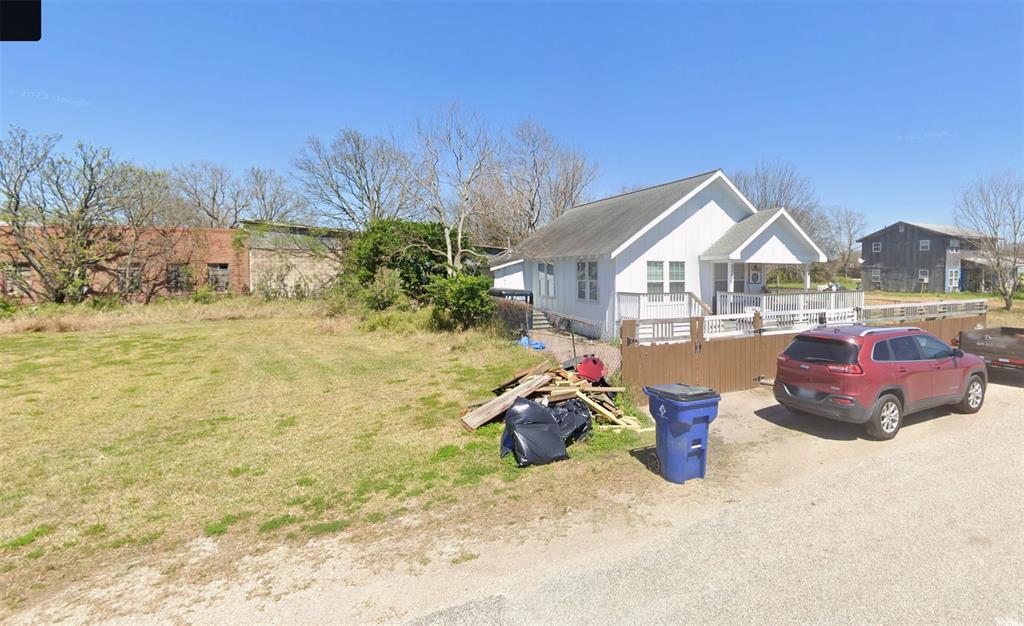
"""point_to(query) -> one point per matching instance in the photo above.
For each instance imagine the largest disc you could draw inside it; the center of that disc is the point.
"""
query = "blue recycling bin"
(681, 416)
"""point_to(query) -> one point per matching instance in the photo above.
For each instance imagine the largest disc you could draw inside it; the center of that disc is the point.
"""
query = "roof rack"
(875, 331)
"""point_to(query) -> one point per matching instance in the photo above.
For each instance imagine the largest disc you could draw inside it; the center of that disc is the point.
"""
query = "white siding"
(779, 243)
(510, 277)
(682, 236)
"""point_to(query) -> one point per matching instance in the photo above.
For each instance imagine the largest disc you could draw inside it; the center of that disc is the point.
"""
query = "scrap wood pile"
(580, 380)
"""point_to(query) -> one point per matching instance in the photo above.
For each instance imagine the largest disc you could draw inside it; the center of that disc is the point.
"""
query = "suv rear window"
(816, 349)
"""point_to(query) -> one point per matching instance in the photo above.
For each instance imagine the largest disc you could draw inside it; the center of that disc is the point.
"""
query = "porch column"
(807, 276)
(730, 276)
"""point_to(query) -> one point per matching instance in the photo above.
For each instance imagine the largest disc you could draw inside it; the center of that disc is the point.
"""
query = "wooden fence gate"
(733, 363)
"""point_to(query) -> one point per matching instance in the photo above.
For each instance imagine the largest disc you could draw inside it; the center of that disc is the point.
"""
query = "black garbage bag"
(573, 419)
(532, 434)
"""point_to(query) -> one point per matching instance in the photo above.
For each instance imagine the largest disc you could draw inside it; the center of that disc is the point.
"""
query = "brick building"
(153, 262)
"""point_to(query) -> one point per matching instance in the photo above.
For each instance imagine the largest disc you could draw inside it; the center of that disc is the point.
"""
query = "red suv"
(875, 376)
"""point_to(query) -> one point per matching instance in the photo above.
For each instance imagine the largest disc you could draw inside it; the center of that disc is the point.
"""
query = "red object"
(592, 368)
(841, 372)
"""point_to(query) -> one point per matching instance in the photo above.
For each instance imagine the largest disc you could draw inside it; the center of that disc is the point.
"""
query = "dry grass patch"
(133, 440)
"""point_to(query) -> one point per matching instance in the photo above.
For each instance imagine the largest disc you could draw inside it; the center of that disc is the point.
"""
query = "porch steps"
(540, 321)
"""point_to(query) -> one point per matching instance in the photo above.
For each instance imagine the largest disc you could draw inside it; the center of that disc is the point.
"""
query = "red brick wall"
(193, 246)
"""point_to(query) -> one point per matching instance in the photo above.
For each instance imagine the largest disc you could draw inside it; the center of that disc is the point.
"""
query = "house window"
(903, 227)
(922, 276)
(876, 246)
(586, 280)
(954, 245)
(953, 280)
(546, 280)
(178, 278)
(217, 276)
(924, 245)
(721, 277)
(876, 275)
(655, 278)
(677, 279)
(129, 279)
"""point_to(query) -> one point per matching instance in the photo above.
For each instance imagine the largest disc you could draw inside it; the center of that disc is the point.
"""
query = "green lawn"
(137, 439)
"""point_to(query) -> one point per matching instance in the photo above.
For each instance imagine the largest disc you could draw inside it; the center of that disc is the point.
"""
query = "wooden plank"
(600, 410)
(521, 374)
(586, 388)
(495, 407)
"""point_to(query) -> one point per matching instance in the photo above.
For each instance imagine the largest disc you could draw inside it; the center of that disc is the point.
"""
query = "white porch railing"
(719, 326)
(652, 306)
(732, 303)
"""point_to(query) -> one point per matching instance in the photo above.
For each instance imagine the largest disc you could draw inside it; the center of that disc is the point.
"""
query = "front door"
(911, 372)
(946, 378)
(544, 286)
(721, 282)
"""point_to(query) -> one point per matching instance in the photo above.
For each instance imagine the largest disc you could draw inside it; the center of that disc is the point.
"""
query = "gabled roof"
(942, 229)
(739, 232)
(504, 259)
(603, 226)
(742, 233)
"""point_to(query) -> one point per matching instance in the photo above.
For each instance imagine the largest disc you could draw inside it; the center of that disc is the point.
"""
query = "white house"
(661, 252)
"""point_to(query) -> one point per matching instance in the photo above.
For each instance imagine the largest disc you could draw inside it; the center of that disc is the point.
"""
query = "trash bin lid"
(680, 392)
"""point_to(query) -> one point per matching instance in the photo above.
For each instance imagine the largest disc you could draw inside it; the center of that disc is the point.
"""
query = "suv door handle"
(901, 370)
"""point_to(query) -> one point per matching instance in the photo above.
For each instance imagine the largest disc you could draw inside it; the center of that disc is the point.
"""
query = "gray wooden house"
(918, 257)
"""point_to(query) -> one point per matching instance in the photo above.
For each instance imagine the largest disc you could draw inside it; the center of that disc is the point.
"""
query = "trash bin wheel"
(655, 464)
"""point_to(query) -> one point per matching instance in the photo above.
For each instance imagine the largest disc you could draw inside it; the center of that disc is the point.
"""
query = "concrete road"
(927, 528)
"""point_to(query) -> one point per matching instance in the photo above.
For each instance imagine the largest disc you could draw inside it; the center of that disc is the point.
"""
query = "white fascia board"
(735, 254)
(643, 231)
(746, 202)
(504, 265)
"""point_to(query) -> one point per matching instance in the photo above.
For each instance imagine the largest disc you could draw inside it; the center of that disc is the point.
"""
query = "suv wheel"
(886, 418)
(974, 396)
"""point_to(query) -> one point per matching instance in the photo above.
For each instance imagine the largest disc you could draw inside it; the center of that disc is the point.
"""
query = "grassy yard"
(134, 440)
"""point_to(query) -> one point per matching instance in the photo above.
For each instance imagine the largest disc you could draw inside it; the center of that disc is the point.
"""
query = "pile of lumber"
(551, 385)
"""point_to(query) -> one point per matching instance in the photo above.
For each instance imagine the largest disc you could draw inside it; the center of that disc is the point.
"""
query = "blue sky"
(887, 107)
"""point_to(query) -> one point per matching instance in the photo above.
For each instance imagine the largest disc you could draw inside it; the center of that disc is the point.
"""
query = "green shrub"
(385, 291)
(204, 295)
(7, 308)
(109, 302)
(397, 321)
(401, 245)
(461, 301)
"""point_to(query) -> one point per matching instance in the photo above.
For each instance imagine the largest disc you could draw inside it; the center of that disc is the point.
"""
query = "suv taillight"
(783, 358)
(846, 368)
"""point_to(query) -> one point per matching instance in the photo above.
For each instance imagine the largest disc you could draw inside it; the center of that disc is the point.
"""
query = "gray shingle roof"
(947, 229)
(601, 226)
(738, 233)
(942, 229)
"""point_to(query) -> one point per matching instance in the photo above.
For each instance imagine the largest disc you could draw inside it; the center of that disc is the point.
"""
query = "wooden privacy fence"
(732, 363)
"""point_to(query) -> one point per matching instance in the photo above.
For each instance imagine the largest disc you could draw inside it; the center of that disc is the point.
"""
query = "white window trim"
(923, 275)
(876, 275)
(924, 245)
(590, 297)
(876, 247)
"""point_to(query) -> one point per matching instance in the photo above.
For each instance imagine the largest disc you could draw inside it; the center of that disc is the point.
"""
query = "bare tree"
(456, 155)
(537, 181)
(57, 210)
(994, 207)
(151, 233)
(774, 184)
(844, 227)
(356, 179)
(270, 199)
(213, 193)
